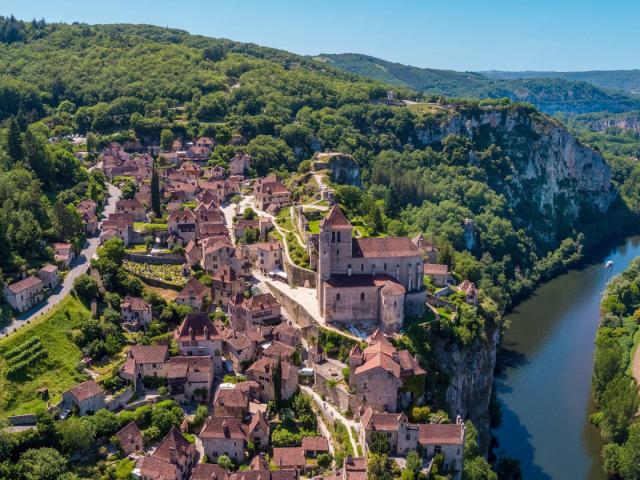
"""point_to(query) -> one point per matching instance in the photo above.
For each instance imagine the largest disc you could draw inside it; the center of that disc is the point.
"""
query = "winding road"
(80, 266)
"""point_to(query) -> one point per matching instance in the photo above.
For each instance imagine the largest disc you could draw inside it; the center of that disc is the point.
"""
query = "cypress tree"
(14, 140)
(155, 191)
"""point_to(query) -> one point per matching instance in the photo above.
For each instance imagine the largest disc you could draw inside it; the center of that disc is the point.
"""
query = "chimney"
(206, 332)
(173, 456)
(191, 334)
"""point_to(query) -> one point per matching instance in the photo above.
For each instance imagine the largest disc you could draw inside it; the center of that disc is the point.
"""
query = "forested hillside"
(625, 80)
(549, 94)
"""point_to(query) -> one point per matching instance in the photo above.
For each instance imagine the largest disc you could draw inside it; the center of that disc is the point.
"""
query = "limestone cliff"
(540, 167)
(470, 372)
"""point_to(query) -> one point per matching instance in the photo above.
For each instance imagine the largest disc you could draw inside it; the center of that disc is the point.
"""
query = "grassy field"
(57, 371)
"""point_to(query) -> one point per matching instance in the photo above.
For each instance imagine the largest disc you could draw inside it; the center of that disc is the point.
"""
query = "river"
(544, 389)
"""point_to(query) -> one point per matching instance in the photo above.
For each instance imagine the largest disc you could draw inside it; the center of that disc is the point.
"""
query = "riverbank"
(546, 358)
(615, 388)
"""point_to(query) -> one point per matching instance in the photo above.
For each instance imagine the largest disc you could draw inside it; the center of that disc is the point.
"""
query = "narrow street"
(80, 266)
(331, 412)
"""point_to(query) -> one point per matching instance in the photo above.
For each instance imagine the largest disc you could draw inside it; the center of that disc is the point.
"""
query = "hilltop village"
(262, 323)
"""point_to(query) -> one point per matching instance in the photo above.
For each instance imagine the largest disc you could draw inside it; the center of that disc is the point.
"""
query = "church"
(376, 280)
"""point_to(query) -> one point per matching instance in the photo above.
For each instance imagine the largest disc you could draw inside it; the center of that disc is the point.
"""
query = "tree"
(155, 191)
(477, 468)
(36, 156)
(445, 254)
(166, 139)
(471, 448)
(76, 435)
(85, 287)
(112, 250)
(324, 460)
(165, 415)
(215, 52)
(377, 467)
(14, 141)
(249, 214)
(509, 469)
(104, 423)
(629, 454)
(42, 464)
(379, 443)
(619, 406)
(92, 142)
(225, 462)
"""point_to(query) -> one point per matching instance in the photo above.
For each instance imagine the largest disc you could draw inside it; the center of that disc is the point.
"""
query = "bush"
(86, 288)
(225, 462)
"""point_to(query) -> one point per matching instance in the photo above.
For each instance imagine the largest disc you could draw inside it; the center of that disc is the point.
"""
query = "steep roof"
(195, 324)
(289, 457)
(24, 284)
(149, 353)
(86, 390)
(193, 289)
(228, 428)
(209, 471)
(335, 219)
(174, 440)
(129, 434)
(379, 421)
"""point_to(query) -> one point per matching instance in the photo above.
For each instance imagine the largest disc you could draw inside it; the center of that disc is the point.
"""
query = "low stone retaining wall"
(117, 401)
(23, 420)
(298, 276)
(154, 259)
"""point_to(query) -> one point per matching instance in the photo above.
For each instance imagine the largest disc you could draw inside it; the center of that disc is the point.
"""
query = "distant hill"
(625, 80)
(550, 95)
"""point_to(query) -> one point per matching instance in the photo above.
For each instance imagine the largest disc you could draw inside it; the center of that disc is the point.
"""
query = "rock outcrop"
(342, 167)
(545, 168)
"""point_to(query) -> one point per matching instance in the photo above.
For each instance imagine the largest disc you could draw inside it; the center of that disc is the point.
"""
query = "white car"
(65, 414)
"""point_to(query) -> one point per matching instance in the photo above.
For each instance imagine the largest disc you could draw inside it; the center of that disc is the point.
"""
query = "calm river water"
(545, 389)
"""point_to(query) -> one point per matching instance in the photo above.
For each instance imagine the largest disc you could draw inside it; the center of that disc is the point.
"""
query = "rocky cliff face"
(544, 167)
(470, 370)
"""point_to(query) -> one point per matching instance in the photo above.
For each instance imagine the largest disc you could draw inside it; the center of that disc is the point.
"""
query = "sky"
(471, 35)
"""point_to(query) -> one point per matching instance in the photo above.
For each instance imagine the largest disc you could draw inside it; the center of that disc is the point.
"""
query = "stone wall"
(298, 276)
(154, 259)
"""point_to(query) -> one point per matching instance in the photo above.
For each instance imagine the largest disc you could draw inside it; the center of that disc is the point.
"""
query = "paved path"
(326, 434)
(80, 266)
(331, 412)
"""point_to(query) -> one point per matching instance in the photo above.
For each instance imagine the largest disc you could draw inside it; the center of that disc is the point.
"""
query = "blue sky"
(454, 34)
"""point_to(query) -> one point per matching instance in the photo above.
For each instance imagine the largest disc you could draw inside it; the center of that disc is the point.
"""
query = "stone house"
(468, 289)
(183, 224)
(258, 430)
(313, 446)
(289, 458)
(193, 252)
(88, 397)
(224, 436)
(401, 435)
(378, 372)
(135, 312)
(119, 227)
(195, 294)
(226, 283)
(174, 459)
(130, 438)
(438, 273)
(286, 333)
(216, 254)
(261, 225)
(63, 254)
(239, 350)
(265, 257)
(133, 207)
(230, 402)
(256, 310)
(190, 378)
(24, 294)
(429, 251)
(205, 142)
(239, 165)
(447, 439)
(49, 276)
(197, 336)
(270, 192)
(367, 279)
(87, 211)
(262, 372)
(276, 349)
(145, 361)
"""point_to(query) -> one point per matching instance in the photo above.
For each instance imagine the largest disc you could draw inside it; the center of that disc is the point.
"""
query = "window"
(385, 266)
(337, 297)
(338, 237)
(408, 437)
(362, 267)
(437, 449)
(333, 237)
(364, 385)
(338, 252)
(362, 296)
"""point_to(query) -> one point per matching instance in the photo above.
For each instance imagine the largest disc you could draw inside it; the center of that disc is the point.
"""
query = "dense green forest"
(550, 94)
(626, 80)
(615, 390)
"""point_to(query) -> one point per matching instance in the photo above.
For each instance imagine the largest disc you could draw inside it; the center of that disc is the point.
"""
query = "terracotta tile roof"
(285, 329)
(315, 444)
(225, 274)
(195, 324)
(289, 457)
(156, 469)
(174, 440)
(143, 354)
(279, 349)
(86, 390)
(223, 428)
(445, 433)
(380, 361)
(385, 247)
(129, 435)
(409, 364)
(134, 303)
(435, 269)
(49, 268)
(335, 219)
(231, 397)
(193, 289)
(25, 284)
(209, 471)
(393, 288)
(258, 303)
(379, 421)
(182, 216)
(218, 244)
(257, 423)
(239, 341)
